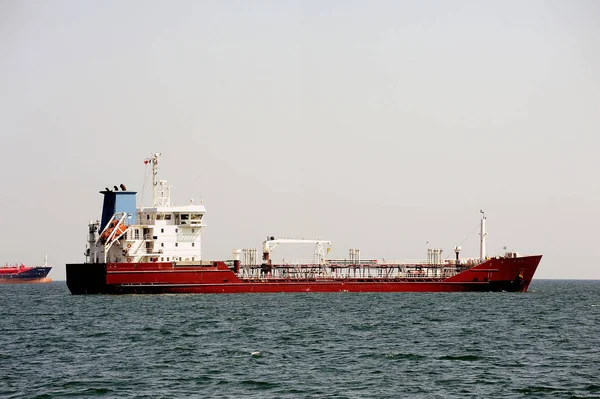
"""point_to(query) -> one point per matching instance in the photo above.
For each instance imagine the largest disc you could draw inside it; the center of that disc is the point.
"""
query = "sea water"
(543, 343)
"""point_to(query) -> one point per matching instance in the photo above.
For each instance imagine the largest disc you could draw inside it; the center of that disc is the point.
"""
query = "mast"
(482, 237)
(154, 161)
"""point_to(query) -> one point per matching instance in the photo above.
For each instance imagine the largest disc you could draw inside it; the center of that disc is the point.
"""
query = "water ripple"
(467, 345)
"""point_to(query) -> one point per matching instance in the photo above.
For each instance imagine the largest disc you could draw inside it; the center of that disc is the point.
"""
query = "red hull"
(497, 274)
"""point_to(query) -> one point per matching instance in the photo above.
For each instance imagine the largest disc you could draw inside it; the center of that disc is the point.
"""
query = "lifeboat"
(121, 228)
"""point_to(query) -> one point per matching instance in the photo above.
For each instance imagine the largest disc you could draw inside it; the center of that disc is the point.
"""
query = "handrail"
(372, 262)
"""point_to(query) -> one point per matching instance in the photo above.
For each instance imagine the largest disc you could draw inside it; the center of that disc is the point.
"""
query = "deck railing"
(372, 262)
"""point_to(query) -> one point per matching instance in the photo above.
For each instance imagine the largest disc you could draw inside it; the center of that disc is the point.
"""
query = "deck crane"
(271, 242)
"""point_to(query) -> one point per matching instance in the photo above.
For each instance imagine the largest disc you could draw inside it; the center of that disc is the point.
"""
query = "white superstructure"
(161, 233)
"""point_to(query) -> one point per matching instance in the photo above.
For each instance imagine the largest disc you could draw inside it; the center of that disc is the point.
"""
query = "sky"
(378, 125)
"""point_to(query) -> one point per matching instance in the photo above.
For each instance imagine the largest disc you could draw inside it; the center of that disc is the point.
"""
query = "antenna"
(154, 160)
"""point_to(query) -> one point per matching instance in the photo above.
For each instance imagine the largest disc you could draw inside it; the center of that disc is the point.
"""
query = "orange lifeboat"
(121, 228)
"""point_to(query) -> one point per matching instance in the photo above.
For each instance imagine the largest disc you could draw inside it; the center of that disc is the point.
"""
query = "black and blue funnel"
(117, 202)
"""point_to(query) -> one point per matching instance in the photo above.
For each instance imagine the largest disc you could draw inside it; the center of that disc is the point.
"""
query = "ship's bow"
(512, 274)
(525, 270)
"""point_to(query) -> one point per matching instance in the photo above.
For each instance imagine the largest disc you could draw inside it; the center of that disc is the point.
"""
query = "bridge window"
(168, 217)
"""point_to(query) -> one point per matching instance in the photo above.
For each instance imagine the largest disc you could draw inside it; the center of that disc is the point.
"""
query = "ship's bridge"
(189, 215)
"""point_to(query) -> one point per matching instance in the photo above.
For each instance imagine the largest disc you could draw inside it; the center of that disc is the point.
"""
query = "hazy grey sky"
(378, 125)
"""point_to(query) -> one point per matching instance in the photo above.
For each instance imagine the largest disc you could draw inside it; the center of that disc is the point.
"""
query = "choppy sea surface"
(544, 343)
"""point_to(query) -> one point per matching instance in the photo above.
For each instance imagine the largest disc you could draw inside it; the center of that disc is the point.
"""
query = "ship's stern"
(86, 278)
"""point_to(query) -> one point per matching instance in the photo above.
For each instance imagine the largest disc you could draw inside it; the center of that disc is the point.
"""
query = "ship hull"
(33, 275)
(17, 280)
(493, 275)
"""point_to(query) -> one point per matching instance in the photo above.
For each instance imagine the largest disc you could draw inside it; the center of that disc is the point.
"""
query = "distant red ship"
(22, 274)
(157, 250)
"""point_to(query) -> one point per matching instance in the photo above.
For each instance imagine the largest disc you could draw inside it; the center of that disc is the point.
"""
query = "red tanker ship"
(157, 250)
(22, 274)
